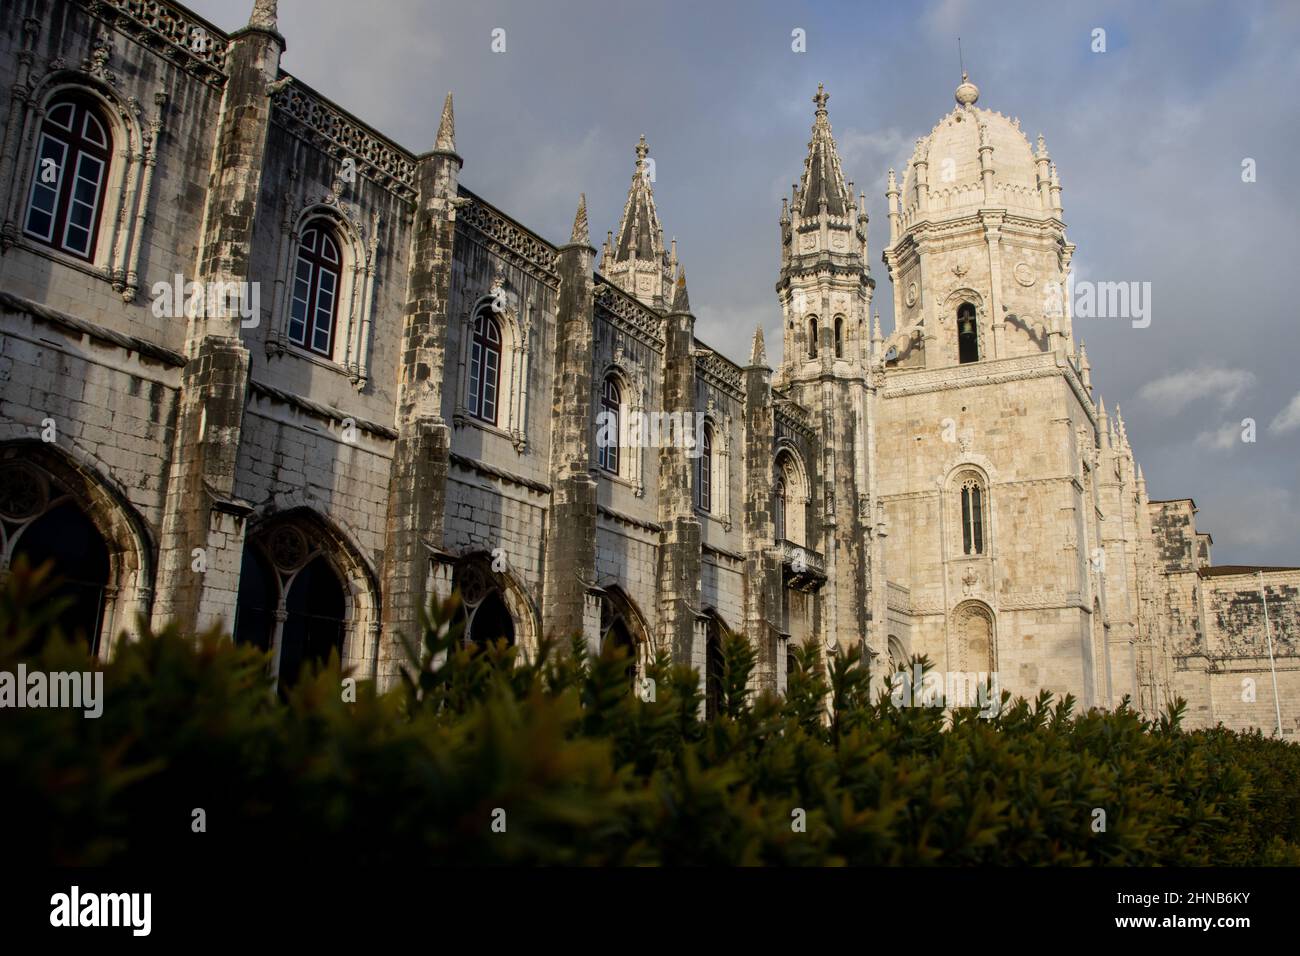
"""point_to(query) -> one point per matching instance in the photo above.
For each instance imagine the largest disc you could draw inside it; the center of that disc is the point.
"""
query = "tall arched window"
(607, 434)
(704, 472)
(839, 336)
(779, 509)
(972, 516)
(812, 337)
(714, 663)
(316, 289)
(67, 197)
(968, 343)
(484, 367)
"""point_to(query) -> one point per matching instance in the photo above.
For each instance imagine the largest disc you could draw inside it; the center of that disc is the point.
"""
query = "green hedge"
(587, 773)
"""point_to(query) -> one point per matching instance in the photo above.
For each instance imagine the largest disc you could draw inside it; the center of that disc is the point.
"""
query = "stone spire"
(822, 185)
(637, 262)
(824, 236)
(758, 352)
(1119, 427)
(581, 234)
(445, 141)
(264, 15)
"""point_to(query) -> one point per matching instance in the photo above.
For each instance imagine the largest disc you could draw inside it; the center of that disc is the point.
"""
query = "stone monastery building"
(263, 367)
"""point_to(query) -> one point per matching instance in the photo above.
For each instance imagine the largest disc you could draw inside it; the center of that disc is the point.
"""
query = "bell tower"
(825, 289)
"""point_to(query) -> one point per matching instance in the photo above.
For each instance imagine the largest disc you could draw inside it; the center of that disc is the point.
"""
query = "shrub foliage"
(588, 773)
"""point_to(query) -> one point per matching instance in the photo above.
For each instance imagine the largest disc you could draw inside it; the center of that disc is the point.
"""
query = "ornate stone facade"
(410, 403)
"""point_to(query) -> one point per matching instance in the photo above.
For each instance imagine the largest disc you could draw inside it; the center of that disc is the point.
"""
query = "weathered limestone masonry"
(417, 486)
(764, 609)
(570, 605)
(682, 625)
(202, 514)
(412, 407)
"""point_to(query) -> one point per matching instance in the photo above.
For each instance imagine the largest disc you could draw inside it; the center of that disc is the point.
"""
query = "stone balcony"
(804, 569)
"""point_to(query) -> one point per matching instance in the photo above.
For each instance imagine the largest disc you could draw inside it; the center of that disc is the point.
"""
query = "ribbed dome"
(953, 151)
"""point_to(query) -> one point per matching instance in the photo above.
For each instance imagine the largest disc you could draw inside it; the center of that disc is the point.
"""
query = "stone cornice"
(178, 35)
(531, 251)
(628, 314)
(318, 410)
(491, 471)
(79, 326)
(719, 371)
(650, 526)
(903, 382)
(306, 114)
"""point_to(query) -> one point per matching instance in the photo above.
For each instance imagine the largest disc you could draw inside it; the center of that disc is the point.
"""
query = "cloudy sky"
(1149, 138)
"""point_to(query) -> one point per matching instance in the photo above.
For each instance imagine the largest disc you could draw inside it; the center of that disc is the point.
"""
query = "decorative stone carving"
(23, 492)
(288, 548)
(321, 124)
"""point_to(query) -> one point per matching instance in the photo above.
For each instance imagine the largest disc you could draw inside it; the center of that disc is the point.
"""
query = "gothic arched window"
(839, 336)
(485, 367)
(292, 603)
(968, 343)
(714, 662)
(487, 618)
(812, 337)
(972, 516)
(67, 197)
(65, 536)
(779, 509)
(611, 398)
(316, 289)
(704, 472)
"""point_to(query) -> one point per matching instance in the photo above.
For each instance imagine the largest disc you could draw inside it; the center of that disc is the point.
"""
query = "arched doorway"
(973, 633)
(292, 602)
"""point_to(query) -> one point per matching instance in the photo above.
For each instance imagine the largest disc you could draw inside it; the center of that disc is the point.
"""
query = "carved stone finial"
(758, 354)
(446, 138)
(581, 234)
(642, 150)
(967, 93)
(264, 15)
(820, 99)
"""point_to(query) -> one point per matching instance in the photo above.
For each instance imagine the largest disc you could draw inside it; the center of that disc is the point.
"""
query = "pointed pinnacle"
(758, 353)
(681, 301)
(581, 234)
(263, 15)
(446, 138)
